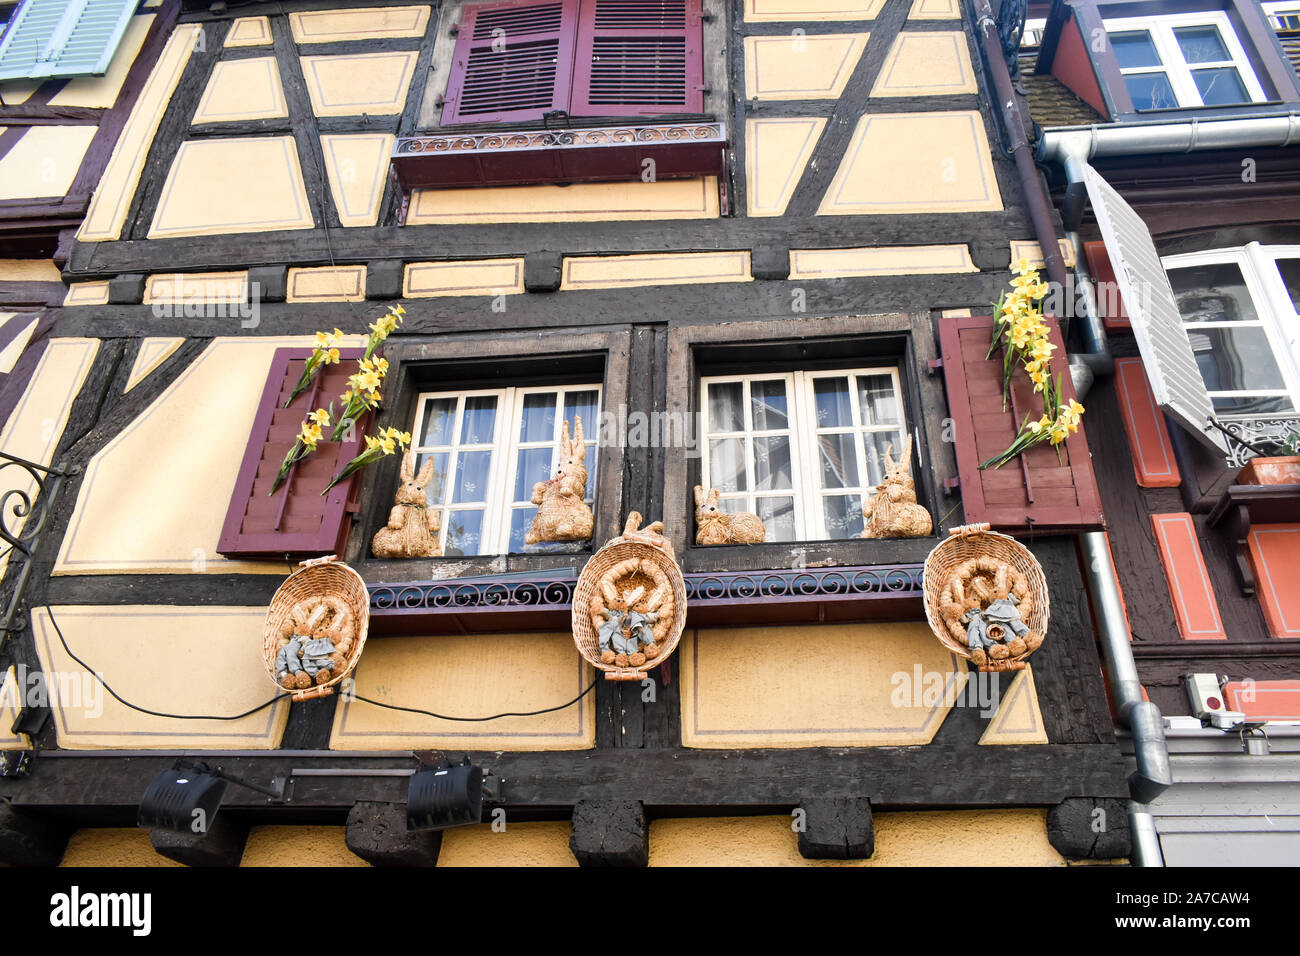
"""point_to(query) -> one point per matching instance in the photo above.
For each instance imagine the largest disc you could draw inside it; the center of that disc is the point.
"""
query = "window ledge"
(596, 154)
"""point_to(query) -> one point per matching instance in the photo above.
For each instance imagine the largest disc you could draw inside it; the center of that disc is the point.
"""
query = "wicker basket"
(632, 544)
(319, 577)
(977, 541)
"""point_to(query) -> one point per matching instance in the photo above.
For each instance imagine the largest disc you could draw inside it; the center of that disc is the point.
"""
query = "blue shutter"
(63, 37)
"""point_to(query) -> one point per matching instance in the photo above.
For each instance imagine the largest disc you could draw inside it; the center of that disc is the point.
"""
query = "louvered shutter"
(1153, 311)
(638, 58)
(513, 61)
(297, 520)
(1034, 492)
(63, 37)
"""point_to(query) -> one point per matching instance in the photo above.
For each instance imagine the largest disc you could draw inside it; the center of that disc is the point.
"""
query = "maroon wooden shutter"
(1035, 491)
(513, 61)
(297, 520)
(638, 58)
(1109, 304)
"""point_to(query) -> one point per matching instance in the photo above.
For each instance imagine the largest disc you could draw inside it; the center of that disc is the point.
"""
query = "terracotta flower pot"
(1271, 471)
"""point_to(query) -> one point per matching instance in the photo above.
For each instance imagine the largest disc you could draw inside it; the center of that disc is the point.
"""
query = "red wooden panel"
(297, 520)
(1275, 558)
(513, 61)
(1195, 606)
(1264, 699)
(1109, 303)
(638, 58)
(1037, 490)
(1148, 438)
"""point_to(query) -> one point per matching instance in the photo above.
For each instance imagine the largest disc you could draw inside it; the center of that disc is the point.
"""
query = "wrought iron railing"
(25, 511)
(1257, 437)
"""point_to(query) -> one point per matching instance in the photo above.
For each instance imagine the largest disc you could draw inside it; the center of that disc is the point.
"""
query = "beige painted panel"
(915, 163)
(1031, 251)
(11, 702)
(181, 287)
(352, 84)
(132, 519)
(803, 67)
(100, 92)
(519, 844)
(935, 10)
(747, 687)
(926, 838)
(180, 660)
(879, 261)
(113, 847)
(365, 23)
(673, 268)
(112, 199)
(1018, 719)
(17, 92)
(29, 270)
(776, 152)
(299, 846)
(327, 284)
(152, 353)
(768, 11)
(240, 184)
(27, 323)
(469, 675)
(926, 64)
(464, 277)
(87, 293)
(249, 31)
(357, 164)
(44, 162)
(581, 202)
(246, 89)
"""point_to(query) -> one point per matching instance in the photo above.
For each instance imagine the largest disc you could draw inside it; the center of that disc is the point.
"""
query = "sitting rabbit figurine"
(720, 527)
(562, 514)
(413, 526)
(893, 511)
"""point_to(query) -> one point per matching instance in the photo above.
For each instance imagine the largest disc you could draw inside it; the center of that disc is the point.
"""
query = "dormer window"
(1183, 61)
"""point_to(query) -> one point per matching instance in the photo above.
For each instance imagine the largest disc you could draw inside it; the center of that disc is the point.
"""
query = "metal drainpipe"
(1153, 774)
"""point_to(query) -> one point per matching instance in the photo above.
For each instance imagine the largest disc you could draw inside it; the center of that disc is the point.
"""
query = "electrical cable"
(527, 713)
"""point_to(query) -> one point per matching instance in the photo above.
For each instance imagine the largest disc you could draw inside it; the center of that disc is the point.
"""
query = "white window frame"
(807, 490)
(499, 504)
(1290, 9)
(1174, 66)
(1277, 316)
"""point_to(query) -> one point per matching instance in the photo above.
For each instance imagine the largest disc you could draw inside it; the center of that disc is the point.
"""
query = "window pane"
(439, 417)
(1151, 91)
(839, 461)
(725, 413)
(833, 403)
(1202, 44)
(520, 520)
(1290, 270)
(593, 457)
(769, 405)
(534, 465)
(583, 405)
(727, 464)
(875, 446)
(437, 486)
(843, 515)
(877, 403)
(1134, 49)
(772, 470)
(464, 533)
(1212, 293)
(478, 424)
(778, 517)
(1257, 405)
(538, 422)
(1235, 359)
(1221, 86)
(472, 469)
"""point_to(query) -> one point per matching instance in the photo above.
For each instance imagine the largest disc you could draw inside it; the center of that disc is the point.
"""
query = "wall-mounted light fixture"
(187, 797)
(445, 795)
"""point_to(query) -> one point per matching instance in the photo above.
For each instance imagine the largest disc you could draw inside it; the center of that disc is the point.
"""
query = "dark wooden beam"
(221, 845)
(1090, 828)
(31, 839)
(836, 828)
(377, 833)
(610, 833)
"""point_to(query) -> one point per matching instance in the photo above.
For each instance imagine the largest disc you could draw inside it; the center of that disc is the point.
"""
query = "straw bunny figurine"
(893, 511)
(413, 526)
(562, 514)
(720, 527)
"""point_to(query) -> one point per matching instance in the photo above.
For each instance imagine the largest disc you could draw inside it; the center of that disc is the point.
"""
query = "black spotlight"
(187, 797)
(445, 796)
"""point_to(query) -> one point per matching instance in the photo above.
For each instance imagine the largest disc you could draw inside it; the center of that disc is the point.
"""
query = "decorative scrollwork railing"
(1257, 437)
(25, 511)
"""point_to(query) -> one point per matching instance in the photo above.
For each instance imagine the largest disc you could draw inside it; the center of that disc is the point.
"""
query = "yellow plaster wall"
(87, 293)
(742, 687)
(801, 67)
(581, 202)
(168, 517)
(776, 152)
(519, 844)
(1018, 719)
(244, 89)
(768, 11)
(1032, 251)
(357, 166)
(935, 10)
(181, 287)
(29, 270)
(44, 162)
(464, 277)
(177, 660)
(152, 353)
(100, 92)
(879, 261)
(469, 675)
(113, 847)
(327, 284)
(929, 63)
(352, 84)
(26, 324)
(11, 702)
(365, 23)
(299, 846)
(249, 31)
(673, 268)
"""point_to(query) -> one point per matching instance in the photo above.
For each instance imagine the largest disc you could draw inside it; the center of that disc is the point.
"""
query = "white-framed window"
(1240, 309)
(489, 448)
(1033, 35)
(1183, 60)
(1284, 16)
(800, 449)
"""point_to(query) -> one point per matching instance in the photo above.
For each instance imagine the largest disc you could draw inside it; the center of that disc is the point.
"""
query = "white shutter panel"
(63, 37)
(1166, 353)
